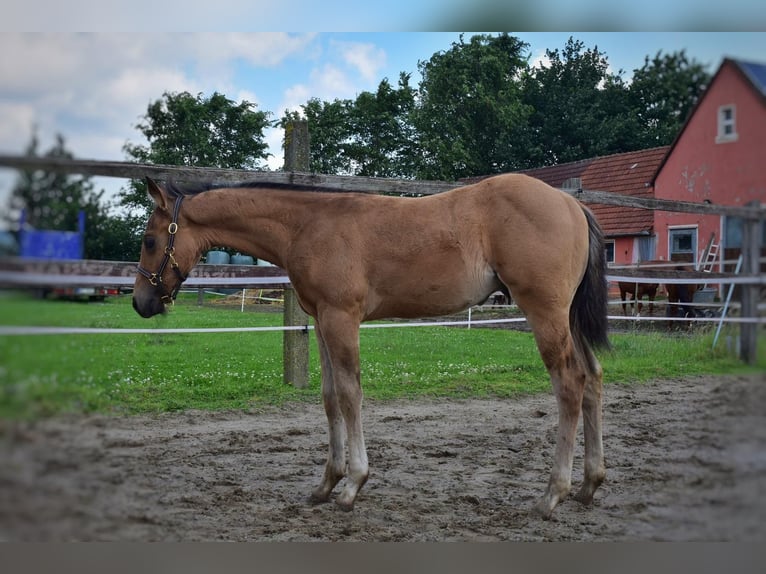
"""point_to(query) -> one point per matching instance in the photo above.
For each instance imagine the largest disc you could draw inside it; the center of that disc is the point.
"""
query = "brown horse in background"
(680, 299)
(637, 291)
(355, 257)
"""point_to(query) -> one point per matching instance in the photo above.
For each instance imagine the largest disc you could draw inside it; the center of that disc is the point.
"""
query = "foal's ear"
(156, 193)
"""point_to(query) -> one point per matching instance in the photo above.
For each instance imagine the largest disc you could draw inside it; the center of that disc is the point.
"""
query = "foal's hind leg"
(595, 469)
(336, 457)
(554, 340)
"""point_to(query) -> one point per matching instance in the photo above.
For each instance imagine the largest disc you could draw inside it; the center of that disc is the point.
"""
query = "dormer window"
(727, 124)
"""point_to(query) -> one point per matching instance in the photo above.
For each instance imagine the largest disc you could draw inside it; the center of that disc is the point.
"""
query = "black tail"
(587, 317)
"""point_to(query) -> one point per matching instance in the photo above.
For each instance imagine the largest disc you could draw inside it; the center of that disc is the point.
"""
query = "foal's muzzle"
(148, 306)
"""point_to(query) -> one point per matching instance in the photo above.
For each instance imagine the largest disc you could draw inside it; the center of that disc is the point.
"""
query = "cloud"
(366, 59)
(330, 82)
(17, 118)
(87, 82)
(134, 89)
(326, 82)
(263, 49)
(293, 98)
(274, 138)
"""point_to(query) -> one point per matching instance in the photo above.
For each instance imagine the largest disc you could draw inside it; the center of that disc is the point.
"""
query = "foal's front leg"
(336, 456)
(338, 334)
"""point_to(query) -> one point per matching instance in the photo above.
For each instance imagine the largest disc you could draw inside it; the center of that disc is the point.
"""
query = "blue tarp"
(49, 244)
(52, 244)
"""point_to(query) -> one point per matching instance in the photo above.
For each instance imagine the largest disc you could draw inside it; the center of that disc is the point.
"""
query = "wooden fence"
(31, 273)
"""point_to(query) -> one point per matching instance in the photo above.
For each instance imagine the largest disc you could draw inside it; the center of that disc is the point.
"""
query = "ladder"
(709, 256)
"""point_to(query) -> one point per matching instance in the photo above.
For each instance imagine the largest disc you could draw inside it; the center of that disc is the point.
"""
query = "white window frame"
(727, 124)
(691, 229)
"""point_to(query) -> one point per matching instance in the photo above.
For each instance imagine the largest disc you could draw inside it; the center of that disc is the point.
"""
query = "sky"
(93, 88)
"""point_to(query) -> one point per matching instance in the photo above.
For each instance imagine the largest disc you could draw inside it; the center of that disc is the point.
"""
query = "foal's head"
(169, 250)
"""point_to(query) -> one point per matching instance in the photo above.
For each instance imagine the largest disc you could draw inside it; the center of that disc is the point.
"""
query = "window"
(609, 250)
(683, 244)
(727, 124)
(732, 233)
(646, 248)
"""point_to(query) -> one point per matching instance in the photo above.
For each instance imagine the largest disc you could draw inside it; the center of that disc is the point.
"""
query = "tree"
(470, 118)
(183, 129)
(370, 136)
(382, 137)
(53, 201)
(330, 132)
(579, 107)
(663, 93)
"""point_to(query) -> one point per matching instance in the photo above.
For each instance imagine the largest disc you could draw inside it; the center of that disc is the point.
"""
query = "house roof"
(627, 173)
(754, 75)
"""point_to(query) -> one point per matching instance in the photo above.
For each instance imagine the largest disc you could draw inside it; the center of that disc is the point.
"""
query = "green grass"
(139, 373)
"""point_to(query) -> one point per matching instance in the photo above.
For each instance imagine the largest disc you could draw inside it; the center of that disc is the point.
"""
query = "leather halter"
(156, 278)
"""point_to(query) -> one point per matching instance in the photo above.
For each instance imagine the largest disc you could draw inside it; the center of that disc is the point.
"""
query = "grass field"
(134, 373)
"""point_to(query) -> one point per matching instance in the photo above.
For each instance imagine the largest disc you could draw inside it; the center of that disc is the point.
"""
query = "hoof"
(588, 489)
(315, 498)
(584, 496)
(321, 493)
(344, 506)
(543, 509)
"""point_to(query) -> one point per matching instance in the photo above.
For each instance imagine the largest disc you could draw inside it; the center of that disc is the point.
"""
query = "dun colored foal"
(354, 257)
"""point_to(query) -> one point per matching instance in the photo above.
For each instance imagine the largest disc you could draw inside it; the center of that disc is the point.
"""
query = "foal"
(354, 257)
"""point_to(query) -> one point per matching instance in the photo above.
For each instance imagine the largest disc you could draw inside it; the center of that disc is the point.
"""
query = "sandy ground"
(686, 460)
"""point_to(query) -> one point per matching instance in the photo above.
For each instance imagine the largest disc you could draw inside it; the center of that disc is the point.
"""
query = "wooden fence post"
(296, 342)
(751, 251)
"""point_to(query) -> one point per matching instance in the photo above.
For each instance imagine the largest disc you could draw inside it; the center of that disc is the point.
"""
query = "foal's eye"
(149, 241)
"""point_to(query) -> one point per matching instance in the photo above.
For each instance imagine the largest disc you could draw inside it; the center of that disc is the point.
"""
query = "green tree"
(182, 129)
(330, 132)
(382, 139)
(112, 238)
(370, 136)
(52, 201)
(579, 107)
(663, 93)
(470, 118)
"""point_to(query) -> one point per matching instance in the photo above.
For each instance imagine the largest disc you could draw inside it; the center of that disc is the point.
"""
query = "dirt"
(686, 460)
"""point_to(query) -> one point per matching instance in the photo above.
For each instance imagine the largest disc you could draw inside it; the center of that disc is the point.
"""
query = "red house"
(719, 156)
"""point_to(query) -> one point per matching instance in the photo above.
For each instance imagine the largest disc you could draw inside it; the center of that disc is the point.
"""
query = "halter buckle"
(172, 228)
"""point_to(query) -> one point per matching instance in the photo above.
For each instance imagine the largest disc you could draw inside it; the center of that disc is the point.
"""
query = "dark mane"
(188, 189)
